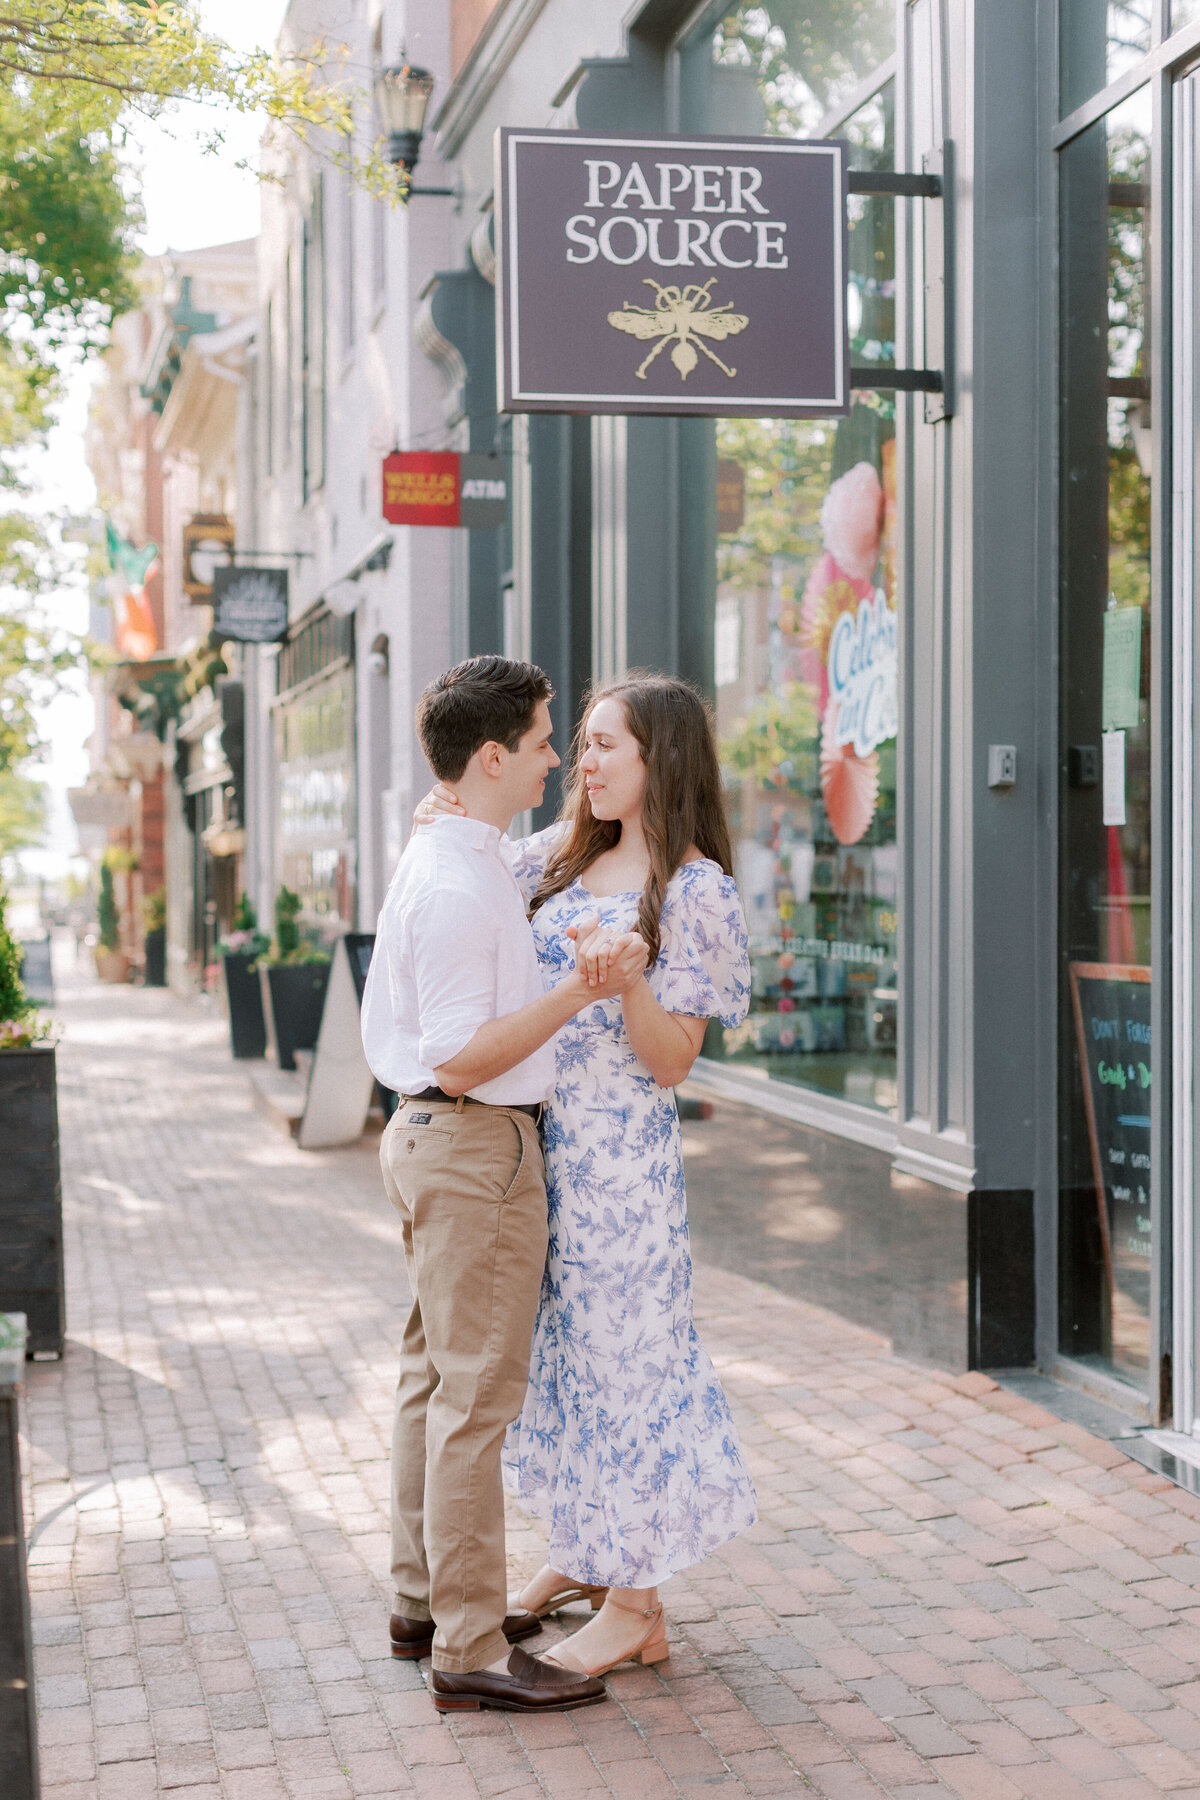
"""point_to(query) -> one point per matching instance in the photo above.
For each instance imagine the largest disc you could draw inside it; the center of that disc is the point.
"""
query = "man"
(456, 1020)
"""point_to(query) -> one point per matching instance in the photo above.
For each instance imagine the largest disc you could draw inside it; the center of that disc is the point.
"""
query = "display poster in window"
(1111, 1003)
(671, 274)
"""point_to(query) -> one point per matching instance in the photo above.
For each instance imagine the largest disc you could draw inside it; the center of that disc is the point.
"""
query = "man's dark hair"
(485, 700)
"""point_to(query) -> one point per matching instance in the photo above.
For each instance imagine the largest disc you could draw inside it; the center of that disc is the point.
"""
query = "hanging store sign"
(671, 275)
(207, 542)
(442, 487)
(250, 606)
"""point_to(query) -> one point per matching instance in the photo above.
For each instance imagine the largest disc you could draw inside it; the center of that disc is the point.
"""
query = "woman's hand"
(609, 960)
(439, 799)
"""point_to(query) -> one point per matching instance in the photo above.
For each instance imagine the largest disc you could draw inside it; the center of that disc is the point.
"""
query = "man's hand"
(607, 963)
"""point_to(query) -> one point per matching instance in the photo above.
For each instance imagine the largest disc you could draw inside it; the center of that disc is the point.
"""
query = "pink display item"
(849, 783)
(852, 521)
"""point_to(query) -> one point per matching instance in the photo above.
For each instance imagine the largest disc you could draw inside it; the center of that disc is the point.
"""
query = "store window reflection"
(315, 752)
(1099, 42)
(808, 56)
(1106, 1065)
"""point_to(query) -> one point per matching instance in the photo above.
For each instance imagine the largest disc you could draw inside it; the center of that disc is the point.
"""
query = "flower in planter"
(21, 1025)
(245, 938)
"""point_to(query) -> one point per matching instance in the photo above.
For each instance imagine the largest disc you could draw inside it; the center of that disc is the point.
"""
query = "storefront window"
(1099, 42)
(315, 752)
(807, 58)
(806, 625)
(1106, 1058)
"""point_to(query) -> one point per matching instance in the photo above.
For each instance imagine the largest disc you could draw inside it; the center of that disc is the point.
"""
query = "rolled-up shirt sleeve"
(453, 949)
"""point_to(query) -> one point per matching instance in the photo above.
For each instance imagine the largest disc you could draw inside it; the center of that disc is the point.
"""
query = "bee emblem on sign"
(683, 318)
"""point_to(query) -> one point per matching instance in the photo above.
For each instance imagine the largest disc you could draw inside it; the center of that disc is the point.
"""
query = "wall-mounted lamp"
(402, 95)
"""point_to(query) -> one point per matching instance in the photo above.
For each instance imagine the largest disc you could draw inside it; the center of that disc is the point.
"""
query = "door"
(1185, 587)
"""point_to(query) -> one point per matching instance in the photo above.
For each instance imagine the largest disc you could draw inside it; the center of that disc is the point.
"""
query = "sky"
(190, 198)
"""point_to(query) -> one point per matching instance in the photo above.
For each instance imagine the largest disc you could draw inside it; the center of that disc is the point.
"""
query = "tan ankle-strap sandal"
(651, 1648)
(576, 1590)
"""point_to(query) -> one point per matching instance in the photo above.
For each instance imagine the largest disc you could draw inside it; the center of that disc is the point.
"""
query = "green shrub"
(154, 910)
(287, 946)
(106, 911)
(14, 1003)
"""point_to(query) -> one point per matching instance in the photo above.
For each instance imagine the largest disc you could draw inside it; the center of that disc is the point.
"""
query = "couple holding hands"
(533, 1004)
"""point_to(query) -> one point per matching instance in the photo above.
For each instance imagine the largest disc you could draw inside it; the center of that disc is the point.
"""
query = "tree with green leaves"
(22, 813)
(89, 62)
(71, 73)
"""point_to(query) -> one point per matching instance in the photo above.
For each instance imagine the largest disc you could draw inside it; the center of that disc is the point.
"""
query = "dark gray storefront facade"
(961, 1109)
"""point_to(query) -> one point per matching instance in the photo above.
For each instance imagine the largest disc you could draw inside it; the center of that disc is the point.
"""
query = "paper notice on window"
(1121, 683)
(1114, 777)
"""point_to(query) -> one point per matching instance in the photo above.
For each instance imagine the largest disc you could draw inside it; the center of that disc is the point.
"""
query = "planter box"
(244, 994)
(293, 1001)
(18, 1722)
(31, 1257)
(156, 958)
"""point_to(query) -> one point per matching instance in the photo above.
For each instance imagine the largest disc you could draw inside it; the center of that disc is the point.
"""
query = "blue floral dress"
(625, 1445)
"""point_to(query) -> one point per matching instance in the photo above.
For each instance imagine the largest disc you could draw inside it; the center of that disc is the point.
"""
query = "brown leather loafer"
(530, 1685)
(413, 1638)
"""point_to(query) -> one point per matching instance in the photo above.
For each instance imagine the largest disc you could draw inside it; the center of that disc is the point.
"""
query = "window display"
(315, 751)
(806, 714)
(806, 648)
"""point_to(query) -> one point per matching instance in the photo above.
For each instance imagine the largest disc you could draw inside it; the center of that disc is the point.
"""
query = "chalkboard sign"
(1112, 1027)
(339, 1081)
(359, 945)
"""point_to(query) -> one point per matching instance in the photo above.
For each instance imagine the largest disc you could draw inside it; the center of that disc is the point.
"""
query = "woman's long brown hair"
(683, 803)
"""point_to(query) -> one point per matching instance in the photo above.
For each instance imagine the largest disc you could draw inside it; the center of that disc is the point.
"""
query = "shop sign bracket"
(929, 186)
(295, 555)
(889, 182)
(900, 381)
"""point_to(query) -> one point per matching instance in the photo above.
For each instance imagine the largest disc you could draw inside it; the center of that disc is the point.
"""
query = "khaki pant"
(470, 1189)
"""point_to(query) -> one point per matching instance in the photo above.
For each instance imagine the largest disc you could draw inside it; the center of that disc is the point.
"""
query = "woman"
(625, 1444)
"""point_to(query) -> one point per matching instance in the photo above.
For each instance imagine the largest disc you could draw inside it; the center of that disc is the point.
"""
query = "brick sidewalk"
(949, 1592)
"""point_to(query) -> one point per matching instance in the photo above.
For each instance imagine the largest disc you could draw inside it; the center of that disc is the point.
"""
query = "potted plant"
(154, 921)
(239, 953)
(31, 1261)
(111, 962)
(294, 977)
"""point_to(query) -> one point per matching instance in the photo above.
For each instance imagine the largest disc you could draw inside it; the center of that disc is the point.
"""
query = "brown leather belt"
(437, 1093)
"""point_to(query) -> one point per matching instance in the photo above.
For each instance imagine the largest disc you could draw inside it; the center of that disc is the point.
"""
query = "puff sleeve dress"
(625, 1445)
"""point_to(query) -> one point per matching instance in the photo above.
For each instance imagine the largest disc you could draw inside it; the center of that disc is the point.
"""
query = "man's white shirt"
(453, 950)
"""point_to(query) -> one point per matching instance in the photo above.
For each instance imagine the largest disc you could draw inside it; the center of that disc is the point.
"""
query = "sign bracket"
(890, 182)
(900, 381)
(930, 185)
(296, 555)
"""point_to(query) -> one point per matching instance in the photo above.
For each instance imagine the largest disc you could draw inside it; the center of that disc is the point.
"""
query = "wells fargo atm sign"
(440, 487)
